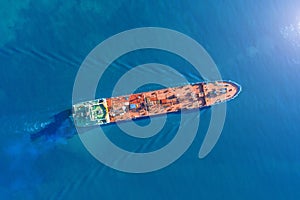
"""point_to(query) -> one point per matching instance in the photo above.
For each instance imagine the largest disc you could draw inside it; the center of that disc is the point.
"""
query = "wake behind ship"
(168, 100)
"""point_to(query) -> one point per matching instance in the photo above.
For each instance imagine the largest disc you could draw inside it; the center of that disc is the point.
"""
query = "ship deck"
(156, 102)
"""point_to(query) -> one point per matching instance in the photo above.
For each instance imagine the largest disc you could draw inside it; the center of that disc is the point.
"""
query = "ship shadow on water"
(60, 126)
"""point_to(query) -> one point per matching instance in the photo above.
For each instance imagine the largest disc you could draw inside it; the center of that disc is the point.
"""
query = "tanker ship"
(168, 100)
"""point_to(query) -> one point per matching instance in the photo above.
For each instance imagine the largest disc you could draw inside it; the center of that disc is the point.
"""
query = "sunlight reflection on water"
(291, 33)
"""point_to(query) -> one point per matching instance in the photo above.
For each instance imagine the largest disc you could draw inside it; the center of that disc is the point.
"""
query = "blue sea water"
(257, 44)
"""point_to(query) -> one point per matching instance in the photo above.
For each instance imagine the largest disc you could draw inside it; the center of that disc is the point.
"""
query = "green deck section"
(99, 111)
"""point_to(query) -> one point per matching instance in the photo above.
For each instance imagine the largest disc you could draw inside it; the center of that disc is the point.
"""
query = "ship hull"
(168, 100)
